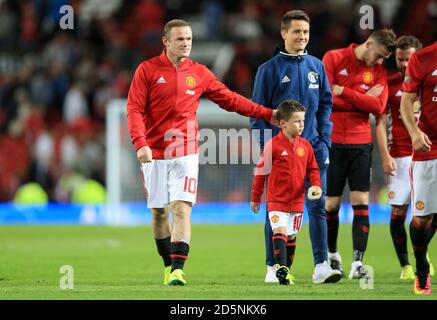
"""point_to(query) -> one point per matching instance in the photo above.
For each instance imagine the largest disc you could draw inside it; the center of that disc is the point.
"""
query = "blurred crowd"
(55, 84)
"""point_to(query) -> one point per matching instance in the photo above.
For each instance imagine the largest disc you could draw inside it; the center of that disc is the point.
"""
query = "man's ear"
(164, 41)
(369, 44)
(283, 33)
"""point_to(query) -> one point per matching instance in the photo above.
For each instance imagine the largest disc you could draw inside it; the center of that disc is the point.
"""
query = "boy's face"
(293, 126)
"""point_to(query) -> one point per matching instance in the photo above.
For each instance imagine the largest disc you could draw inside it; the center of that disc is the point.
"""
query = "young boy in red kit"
(287, 161)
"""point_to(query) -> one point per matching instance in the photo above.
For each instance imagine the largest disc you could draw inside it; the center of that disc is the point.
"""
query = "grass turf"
(226, 262)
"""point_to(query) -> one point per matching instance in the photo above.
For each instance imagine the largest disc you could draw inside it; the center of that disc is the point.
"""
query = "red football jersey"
(163, 101)
(399, 139)
(421, 77)
(350, 111)
(286, 164)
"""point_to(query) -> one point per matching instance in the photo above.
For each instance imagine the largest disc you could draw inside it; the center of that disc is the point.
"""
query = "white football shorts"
(423, 178)
(398, 186)
(169, 180)
(292, 221)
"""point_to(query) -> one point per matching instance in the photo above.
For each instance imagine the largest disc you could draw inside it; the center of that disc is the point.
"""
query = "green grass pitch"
(226, 262)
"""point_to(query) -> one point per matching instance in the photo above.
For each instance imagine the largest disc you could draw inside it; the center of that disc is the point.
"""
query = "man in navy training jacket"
(294, 74)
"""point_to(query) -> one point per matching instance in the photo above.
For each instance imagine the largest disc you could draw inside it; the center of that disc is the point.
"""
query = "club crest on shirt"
(274, 218)
(420, 205)
(313, 77)
(190, 81)
(367, 77)
(300, 152)
(391, 194)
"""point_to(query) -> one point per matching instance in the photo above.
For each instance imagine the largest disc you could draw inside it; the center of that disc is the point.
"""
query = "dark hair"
(385, 37)
(287, 108)
(172, 24)
(407, 42)
(293, 15)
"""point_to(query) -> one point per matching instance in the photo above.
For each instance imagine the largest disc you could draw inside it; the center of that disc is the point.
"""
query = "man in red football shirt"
(421, 81)
(396, 150)
(359, 87)
(161, 111)
(287, 160)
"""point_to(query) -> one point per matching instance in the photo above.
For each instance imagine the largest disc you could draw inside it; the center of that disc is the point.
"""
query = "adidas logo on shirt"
(399, 93)
(285, 79)
(161, 80)
(284, 153)
(343, 72)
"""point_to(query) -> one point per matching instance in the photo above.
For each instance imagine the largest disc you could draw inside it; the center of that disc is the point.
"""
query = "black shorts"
(351, 162)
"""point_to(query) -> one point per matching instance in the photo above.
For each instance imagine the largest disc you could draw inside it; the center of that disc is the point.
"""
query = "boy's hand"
(314, 193)
(254, 206)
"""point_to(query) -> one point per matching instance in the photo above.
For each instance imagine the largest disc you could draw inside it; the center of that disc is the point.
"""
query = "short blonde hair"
(173, 24)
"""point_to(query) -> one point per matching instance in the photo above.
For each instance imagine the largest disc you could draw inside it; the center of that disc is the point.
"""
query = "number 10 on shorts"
(190, 185)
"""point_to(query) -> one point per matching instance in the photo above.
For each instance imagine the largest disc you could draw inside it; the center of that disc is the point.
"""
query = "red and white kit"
(399, 141)
(286, 164)
(161, 111)
(421, 77)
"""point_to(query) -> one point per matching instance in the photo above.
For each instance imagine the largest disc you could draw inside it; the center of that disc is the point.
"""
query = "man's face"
(178, 44)
(375, 54)
(402, 57)
(296, 37)
(295, 125)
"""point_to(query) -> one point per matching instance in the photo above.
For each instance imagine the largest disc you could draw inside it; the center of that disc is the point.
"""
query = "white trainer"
(334, 260)
(357, 270)
(271, 275)
(323, 273)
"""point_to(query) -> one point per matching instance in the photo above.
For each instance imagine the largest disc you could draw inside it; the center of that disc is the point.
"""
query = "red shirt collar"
(351, 50)
(282, 137)
(166, 61)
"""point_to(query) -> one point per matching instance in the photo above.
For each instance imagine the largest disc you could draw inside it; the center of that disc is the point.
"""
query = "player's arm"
(410, 88)
(262, 94)
(374, 101)
(420, 140)
(313, 175)
(136, 109)
(339, 104)
(388, 163)
(324, 125)
(231, 101)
